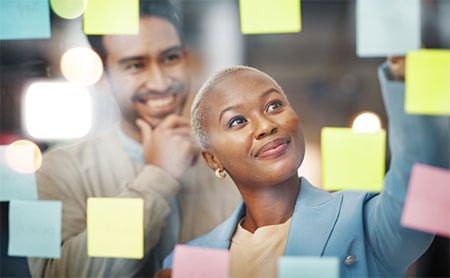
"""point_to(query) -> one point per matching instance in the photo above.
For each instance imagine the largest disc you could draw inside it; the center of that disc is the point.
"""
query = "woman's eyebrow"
(227, 109)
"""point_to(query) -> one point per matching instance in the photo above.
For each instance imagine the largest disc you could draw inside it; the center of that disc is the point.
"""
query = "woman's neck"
(270, 205)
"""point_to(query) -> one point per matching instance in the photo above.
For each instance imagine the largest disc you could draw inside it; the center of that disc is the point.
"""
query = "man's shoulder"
(100, 142)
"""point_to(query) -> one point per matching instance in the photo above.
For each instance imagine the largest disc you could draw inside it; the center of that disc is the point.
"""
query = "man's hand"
(169, 145)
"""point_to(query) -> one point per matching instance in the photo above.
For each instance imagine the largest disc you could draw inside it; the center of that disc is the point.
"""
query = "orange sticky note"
(190, 261)
(427, 84)
(115, 227)
(353, 160)
(427, 204)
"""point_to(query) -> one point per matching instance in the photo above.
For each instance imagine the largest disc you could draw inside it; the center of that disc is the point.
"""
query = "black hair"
(159, 8)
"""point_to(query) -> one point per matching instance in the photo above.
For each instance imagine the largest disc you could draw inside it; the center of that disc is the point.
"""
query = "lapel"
(221, 236)
(313, 220)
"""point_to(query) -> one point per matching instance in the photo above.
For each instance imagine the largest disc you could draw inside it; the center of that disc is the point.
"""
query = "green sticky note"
(115, 227)
(427, 81)
(268, 16)
(353, 160)
(111, 17)
(35, 228)
(304, 266)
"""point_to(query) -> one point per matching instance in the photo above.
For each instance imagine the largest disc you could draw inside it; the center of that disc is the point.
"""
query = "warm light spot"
(57, 110)
(68, 9)
(366, 122)
(23, 156)
(81, 65)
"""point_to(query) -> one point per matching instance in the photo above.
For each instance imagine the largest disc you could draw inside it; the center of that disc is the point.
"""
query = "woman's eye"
(236, 121)
(273, 105)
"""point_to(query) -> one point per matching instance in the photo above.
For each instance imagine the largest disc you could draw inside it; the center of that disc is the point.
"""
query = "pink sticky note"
(189, 261)
(427, 204)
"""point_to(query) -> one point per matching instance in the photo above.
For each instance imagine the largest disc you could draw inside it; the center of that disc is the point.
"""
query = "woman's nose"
(264, 127)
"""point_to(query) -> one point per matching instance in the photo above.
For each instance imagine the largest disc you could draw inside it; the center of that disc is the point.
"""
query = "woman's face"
(254, 133)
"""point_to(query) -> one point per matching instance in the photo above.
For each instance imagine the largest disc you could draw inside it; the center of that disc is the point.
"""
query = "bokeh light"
(366, 122)
(68, 9)
(81, 65)
(57, 110)
(23, 156)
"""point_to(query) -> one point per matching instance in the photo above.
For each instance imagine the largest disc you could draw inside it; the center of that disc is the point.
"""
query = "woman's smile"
(273, 149)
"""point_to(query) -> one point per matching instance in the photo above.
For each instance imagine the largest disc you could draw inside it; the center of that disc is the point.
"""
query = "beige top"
(256, 254)
(100, 167)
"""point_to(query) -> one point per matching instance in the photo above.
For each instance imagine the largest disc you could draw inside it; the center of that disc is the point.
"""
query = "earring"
(220, 174)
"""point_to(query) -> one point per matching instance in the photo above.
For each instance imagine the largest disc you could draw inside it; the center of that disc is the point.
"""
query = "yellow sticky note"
(111, 17)
(427, 81)
(353, 160)
(115, 227)
(269, 16)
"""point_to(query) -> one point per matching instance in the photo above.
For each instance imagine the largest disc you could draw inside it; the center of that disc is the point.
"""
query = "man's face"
(148, 71)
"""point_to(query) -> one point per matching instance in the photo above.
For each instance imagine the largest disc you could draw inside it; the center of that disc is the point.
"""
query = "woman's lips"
(273, 148)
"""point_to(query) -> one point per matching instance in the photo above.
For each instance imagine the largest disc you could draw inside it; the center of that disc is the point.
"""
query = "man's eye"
(172, 58)
(134, 66)
(273, 105)
(236, 121)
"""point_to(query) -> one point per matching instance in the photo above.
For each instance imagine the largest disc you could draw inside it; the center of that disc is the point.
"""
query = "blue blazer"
(362, 229)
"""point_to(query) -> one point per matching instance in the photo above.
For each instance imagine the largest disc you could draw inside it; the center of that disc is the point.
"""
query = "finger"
(182, 131)
(173, 121)
(146, 130)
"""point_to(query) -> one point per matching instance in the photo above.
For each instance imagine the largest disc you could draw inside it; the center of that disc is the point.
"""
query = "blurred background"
(318, 68)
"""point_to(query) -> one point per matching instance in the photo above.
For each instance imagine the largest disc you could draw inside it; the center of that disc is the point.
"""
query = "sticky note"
(115, 227)
(353, 160)
(304, 266)
(24, 19)
(387, 27)
(191, 261)
(111, 17)
(427, 203)
(35, 228)
(268, 16)
(427, 85)
(13, 184)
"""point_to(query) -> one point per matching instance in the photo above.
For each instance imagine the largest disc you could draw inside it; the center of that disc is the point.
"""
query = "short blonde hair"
(199, 105)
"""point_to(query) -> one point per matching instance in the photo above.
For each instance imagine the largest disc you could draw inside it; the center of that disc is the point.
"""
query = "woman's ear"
(211, 160)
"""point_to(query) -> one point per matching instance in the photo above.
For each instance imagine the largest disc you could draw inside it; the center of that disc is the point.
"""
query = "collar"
(134, 149)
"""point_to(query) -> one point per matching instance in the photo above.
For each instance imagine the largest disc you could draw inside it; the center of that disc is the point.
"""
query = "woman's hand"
(163, 273)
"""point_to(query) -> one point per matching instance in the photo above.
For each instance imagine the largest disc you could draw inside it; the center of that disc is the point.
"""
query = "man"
(148, 155)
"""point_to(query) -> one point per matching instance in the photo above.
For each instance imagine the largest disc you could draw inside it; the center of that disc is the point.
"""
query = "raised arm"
(412, 139)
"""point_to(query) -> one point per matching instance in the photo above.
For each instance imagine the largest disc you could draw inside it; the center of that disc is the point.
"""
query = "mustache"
(171, 90)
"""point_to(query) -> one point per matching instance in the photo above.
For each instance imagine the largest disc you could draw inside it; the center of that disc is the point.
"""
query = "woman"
(248, 130)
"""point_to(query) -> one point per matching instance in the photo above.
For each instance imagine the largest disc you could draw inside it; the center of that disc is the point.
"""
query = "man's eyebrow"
(140, 57)
(130, 59)
(174, 48)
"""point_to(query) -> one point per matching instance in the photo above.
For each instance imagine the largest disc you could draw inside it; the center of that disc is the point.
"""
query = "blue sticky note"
(35, 228)
(24, 19)
(387, 27)
(15, 185)
(299, 266)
